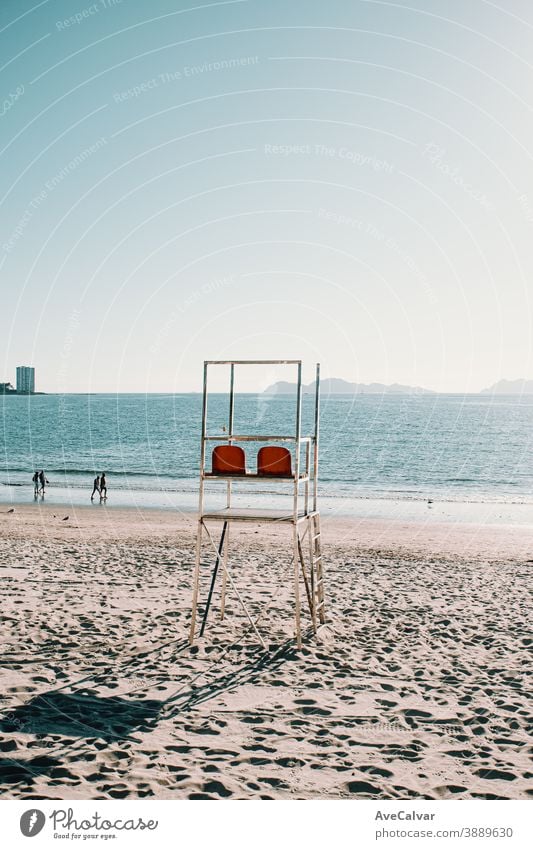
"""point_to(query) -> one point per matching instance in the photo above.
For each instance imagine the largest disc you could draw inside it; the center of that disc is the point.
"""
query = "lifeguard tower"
(296, 469)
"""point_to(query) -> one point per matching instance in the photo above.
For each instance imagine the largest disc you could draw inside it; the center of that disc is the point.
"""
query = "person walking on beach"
(35, 480)
(103, 487)
(43, 480)
(96, 487)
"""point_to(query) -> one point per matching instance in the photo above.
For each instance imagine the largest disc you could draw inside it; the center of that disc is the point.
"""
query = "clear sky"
(349, 182)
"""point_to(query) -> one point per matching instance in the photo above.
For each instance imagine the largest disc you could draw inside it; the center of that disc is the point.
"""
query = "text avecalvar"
(404, 815)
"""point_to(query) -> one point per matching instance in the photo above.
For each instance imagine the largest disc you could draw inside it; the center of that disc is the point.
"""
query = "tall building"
(25, 379)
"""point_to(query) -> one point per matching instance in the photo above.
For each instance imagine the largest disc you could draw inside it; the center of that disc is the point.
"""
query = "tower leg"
(224, 575)
(319, 570)
(214, 577)
(297, 587)
(308, 593)
(312, 569)
(196, 582)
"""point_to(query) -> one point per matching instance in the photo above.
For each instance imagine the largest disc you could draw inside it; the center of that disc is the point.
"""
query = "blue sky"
(349, 182)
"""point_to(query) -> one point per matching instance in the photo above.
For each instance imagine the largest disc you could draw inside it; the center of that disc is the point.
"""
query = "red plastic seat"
(228, 460)
(274, 460)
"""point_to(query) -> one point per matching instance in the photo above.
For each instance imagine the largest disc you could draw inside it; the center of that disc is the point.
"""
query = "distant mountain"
(510, 387)
(337, 386)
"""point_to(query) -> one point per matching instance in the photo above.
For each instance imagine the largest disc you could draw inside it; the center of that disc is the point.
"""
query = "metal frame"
(304, 507)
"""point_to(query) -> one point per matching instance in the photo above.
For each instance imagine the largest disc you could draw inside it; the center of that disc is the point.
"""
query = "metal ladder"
(317, 570)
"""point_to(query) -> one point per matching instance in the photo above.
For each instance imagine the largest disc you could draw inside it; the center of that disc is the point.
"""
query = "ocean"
(410, 450)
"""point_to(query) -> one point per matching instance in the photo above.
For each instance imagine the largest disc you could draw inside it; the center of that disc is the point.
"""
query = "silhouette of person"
(96, 487)
(35, 480)
(103, 486)
(43, 480)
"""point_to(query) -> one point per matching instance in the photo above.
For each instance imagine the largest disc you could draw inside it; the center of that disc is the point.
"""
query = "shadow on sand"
(82, 715)
(250, 673)
(14, 771)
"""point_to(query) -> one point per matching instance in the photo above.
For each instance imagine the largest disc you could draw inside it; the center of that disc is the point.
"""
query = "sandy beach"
(414, 689)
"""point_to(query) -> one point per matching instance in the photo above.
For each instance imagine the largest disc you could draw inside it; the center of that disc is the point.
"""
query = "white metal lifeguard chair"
(273, 464)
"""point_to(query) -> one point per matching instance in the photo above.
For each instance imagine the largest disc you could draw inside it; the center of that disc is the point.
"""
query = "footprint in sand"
(376, 770)
(260, 761)
(495, 774)
(290, 762)
(448, 790)
(363, 788)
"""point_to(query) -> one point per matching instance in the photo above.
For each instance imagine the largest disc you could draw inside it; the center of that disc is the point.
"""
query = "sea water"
(410, 450)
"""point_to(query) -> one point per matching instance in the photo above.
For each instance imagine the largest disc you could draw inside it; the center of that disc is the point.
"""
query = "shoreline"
(368, 533)
(346, 508)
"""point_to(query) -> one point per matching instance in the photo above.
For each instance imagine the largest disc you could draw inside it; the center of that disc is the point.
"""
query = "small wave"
(64, 471)
(109, 472)
(401, 496)
(459, 480)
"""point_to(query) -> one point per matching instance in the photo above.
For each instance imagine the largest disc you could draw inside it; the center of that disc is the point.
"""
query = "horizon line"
(418, 393)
